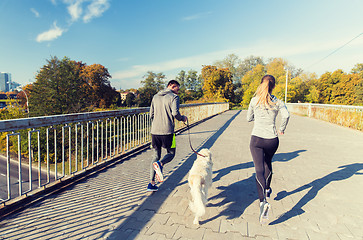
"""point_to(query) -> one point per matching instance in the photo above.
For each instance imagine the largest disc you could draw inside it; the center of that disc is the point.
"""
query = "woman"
(263, 110)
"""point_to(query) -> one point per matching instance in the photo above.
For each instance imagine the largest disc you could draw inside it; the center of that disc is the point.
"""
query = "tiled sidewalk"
(317, 182)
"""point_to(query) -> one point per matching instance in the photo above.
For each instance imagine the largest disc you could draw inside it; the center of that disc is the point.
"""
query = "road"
(14, 178)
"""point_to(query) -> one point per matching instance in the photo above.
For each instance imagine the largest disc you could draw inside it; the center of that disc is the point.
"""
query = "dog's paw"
(196, 221)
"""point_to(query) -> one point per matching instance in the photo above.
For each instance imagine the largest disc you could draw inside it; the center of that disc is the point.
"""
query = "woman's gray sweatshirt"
(265, 118)
(164, 108)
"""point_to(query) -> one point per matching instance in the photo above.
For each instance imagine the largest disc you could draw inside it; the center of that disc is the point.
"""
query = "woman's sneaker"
(158, 171)
(264, 209)
(152, 188)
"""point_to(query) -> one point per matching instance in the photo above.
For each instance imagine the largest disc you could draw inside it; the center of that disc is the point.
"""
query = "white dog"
(200, 180)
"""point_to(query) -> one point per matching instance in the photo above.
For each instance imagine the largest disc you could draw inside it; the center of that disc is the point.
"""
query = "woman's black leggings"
(262, 151)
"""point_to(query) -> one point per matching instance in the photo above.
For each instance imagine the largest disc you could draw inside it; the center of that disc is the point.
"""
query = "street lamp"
(287, 75)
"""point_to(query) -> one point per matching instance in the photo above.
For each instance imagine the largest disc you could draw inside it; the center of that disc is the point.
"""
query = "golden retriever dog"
(200, 180)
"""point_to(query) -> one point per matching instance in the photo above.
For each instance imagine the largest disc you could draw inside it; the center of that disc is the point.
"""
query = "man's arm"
(151, 112)
(175, 110)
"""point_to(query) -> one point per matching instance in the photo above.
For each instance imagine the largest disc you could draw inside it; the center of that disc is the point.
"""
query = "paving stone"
(256, 229)
(188, 233)
(154, 236)
(186, 220)
(210, 235)
(348, 237)
(319, 235)
(157, 228)
(286, 232)
(237, 225)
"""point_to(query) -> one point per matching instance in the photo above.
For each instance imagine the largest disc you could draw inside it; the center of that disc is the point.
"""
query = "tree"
(152, 84)
(358, 70)
(130, 99)
(66, 86)
(217, 83)
(145, 96)
(248, 64)
(250, 82)
(98, 86)
(154, 81)
(232, 62)
(190, 86)
(193, 81)
(24, 95)
(58, 89)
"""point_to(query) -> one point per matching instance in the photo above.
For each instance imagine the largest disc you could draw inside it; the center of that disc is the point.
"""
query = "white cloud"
(193, 62)
(36, 13)
(300, 54)
(75, 10)
(53, 33)
(95, 9)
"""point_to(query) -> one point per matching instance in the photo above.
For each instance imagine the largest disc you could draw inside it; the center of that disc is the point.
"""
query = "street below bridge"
(317, 181)
(14, 177)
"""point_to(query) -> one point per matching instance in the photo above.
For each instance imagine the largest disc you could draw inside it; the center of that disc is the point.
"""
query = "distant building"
(6, 85)
(124, 94)
(5, 79)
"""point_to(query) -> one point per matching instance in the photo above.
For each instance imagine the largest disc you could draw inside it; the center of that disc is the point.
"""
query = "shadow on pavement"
(315, 186)
(240, 195)
(154, 201)
(285, 157)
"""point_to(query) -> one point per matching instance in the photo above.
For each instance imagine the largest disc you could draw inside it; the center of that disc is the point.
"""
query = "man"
(163, 110)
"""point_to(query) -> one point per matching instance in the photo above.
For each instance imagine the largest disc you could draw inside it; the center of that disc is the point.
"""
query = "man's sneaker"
(152, 188)
(264, 209)
(268, 193)
(158, 171)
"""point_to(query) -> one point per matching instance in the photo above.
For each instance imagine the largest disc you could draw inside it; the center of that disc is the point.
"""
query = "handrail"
(344, 115)
(71, 143)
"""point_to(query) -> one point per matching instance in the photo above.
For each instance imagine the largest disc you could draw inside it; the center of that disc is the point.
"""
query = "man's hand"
(185, 119)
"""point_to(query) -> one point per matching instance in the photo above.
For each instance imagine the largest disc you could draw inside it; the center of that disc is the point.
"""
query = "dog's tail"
(197, 204)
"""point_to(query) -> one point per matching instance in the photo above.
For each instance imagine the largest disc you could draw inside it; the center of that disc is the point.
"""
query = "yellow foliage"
(217, 83)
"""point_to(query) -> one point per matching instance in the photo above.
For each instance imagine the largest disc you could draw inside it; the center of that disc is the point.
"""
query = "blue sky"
(133, 37)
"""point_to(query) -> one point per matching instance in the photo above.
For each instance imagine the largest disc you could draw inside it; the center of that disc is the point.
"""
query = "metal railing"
(344, 115)
(62, 146)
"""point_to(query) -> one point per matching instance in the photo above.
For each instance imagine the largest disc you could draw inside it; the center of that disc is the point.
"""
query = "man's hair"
(171, 82)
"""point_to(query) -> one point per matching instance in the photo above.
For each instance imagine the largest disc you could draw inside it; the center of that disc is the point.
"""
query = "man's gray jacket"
(164, 108)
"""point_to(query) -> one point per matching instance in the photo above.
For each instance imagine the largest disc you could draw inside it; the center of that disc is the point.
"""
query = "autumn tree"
(101, 93)
(66, 86)
(24, 95)
(250, 82)
(217, 83)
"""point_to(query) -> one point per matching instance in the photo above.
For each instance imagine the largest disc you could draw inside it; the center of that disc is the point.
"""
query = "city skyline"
(132, 38)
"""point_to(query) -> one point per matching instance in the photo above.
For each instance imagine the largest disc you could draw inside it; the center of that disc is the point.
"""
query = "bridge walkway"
(317, 191)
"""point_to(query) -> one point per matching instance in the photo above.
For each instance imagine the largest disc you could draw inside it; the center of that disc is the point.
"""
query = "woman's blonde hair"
(264, 90)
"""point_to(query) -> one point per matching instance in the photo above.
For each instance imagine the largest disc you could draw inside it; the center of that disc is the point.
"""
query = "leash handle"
(190, 142)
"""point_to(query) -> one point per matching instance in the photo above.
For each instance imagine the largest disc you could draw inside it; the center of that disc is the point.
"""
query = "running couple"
(263, 110)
